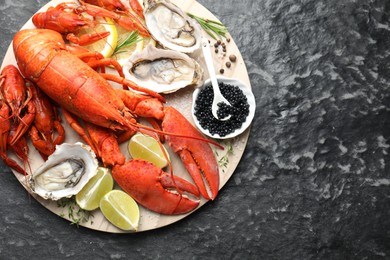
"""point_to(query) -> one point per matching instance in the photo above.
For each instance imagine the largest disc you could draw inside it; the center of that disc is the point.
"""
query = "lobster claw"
(197, 155)
(155, 189)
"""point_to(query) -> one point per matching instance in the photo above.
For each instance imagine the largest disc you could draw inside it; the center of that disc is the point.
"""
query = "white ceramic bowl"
(251, 101)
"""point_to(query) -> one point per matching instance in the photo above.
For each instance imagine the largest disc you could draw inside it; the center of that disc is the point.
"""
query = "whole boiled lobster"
(43, 58)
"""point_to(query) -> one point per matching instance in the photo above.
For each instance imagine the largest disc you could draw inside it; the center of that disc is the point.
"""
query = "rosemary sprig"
(75, 214)
(213, 28)
(131, 39)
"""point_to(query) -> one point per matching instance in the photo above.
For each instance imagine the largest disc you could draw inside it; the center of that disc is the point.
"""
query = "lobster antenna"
(140, 127)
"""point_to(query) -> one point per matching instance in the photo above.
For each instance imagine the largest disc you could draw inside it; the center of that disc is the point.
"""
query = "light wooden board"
(181, 100)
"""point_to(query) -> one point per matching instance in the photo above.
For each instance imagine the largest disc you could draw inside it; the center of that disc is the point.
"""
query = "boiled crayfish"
(68, 19)
(80, 90)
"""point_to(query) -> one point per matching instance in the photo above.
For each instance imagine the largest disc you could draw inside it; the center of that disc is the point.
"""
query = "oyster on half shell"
(171, 27)
(65, 172)
(162, 70)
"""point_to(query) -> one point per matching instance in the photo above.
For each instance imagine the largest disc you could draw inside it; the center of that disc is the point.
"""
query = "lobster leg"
(130, 22)
(103, 141)
(196, 155)
(75, 124)
(111, 5)
(11, 163)
(132, 85)
(24, 123)
(141, 105)
(86, 38)
(107, 62)
(5, 125)
(20, 148)
(107, 144)
(155, 189)
(137, 8)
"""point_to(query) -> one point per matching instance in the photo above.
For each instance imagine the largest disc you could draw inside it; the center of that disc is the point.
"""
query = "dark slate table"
(314, 180)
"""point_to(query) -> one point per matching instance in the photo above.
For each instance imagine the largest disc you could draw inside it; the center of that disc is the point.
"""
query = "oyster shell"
(162, 70)
(172, 27)
(65, 172)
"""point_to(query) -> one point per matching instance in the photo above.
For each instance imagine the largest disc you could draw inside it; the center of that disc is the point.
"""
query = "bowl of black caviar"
(241, 111)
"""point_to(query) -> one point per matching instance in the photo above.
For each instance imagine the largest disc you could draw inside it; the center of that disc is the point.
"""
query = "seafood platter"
(76, 110)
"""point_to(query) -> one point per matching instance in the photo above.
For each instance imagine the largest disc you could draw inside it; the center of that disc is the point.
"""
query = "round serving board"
(228, 158)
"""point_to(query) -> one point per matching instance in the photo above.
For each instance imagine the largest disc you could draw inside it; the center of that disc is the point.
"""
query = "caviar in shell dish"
(243, 108)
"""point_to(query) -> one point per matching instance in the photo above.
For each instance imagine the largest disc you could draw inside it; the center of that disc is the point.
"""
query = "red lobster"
(77, 88)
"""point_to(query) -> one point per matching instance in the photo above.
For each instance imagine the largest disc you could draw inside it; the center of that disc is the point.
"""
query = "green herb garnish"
(131, 39)
(224, 161)
(75, 214)
(213, 28)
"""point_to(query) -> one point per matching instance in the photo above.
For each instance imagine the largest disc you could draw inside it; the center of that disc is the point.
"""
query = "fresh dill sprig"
(131, 39)
(75, 213)
(213, 28)
(224, 161)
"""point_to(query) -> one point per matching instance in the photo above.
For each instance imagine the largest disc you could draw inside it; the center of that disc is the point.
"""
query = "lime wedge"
(147, 148)
(120, 209)
(89, 197)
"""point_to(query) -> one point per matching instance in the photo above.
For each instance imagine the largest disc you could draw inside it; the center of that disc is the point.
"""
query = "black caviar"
(239, 110)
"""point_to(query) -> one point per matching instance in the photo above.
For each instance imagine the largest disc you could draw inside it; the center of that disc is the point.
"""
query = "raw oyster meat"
(162, 70)
(172, 27)
(65, 172)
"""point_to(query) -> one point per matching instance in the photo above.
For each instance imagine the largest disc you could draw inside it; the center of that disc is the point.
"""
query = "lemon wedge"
(121, 210)
(107, 45)
(147, 148)
(128, 43)
(89, 197)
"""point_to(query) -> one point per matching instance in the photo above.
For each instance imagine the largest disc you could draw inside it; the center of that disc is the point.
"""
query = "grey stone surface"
(314, 180)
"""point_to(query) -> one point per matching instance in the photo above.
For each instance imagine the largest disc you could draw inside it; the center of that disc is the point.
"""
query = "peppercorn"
(232, 58)
(221, 71)
(228, 64)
